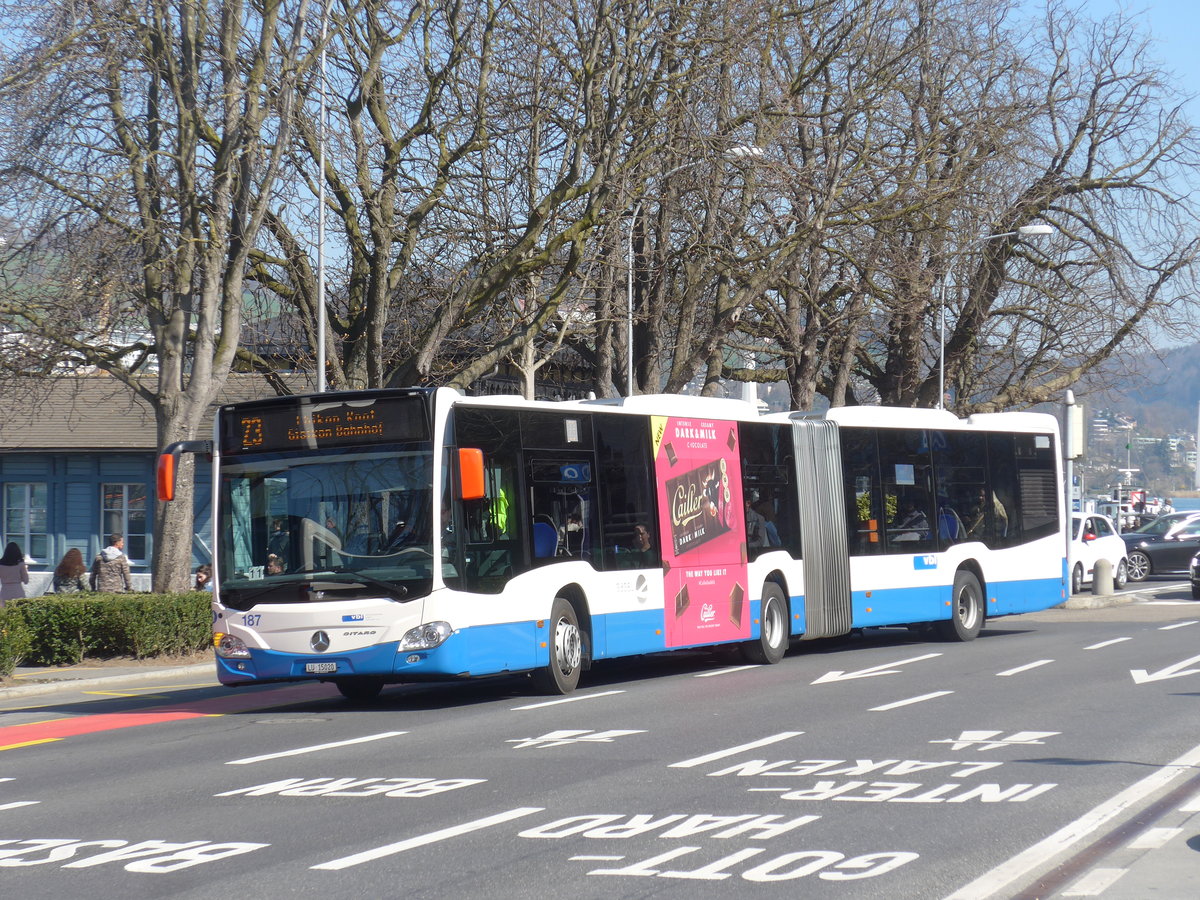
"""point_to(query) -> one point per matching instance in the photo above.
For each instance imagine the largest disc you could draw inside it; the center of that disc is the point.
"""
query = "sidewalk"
(28, 681)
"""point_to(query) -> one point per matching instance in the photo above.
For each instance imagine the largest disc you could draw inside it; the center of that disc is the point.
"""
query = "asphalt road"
(1055, 756)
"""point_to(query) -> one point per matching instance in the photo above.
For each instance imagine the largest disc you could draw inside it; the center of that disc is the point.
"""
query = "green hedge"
(61, 629)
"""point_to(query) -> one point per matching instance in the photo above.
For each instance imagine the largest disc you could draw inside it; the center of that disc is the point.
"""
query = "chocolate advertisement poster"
(702, 523)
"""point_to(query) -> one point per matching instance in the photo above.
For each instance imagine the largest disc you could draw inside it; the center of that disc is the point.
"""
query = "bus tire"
(360, 690)
(772, 642)
(561, 676)
(966, 609)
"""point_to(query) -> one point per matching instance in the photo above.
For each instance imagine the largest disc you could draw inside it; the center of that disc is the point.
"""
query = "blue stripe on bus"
(926, 604)
(518, 646)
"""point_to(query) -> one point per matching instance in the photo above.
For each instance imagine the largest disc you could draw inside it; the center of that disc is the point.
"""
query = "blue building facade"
(77, 463)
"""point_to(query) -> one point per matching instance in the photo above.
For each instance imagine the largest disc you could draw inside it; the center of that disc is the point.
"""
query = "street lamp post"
(1034, 230)
(740, 152)
(321, 315)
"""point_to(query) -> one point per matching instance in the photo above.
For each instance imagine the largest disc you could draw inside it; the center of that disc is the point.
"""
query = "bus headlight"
(426, 637)
(230, 647)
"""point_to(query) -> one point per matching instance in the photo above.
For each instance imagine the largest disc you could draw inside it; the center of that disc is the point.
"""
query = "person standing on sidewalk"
(71, 575)
(14, 574)
(110, 569)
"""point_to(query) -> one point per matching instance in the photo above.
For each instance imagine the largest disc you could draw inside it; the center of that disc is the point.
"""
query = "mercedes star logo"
(319, 641)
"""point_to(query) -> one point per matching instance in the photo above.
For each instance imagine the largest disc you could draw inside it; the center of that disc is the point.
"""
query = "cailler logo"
(707, 613)
(319, 641)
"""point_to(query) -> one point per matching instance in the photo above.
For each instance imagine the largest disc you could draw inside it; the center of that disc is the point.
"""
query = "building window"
(25, 519)
(124, 513)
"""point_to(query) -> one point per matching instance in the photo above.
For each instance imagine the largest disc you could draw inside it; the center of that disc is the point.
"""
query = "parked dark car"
(1196, 577)
(1164, 546)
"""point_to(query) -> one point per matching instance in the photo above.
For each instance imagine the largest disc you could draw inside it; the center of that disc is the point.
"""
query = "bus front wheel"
(360, 690)
(561, 676)
(966, 613)
(773, 638)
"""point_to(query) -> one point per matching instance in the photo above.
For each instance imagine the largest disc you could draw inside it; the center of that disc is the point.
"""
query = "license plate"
(320, 668)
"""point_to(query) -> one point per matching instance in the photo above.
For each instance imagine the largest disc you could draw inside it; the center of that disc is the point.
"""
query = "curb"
(61, 684)
(1100, 601)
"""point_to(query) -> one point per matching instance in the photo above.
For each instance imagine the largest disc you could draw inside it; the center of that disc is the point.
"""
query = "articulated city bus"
(376, 537)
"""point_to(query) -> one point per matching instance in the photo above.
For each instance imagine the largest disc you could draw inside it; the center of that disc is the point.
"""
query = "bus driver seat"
(545, 540)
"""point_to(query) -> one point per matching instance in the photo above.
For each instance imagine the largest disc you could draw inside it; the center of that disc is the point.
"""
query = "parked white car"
(1093, 537)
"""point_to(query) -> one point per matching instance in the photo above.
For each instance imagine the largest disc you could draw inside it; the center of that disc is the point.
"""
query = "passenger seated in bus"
(911, 525)
(756, 525)
(275, 564)
(766, 509)
(571, 538)
(642, 552)
(977, 520)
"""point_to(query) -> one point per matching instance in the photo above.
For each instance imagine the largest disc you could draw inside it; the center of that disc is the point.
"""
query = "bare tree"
(152, 132)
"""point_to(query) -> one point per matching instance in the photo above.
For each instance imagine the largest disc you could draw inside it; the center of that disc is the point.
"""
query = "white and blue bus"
(375, 537)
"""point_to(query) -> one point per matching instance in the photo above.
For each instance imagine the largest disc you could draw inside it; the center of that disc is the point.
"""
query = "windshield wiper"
(398, 592)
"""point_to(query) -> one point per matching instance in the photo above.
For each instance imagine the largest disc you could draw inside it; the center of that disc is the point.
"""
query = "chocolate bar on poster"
(681, 601)
(671, 457)
(737, 599)
(695, 515)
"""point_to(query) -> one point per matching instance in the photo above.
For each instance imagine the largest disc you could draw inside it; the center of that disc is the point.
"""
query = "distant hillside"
(1160, 392)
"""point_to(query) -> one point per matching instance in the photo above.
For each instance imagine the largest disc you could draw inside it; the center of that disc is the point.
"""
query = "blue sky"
(1174, 27)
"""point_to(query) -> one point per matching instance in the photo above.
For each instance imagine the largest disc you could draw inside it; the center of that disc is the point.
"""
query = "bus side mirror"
(168, 463)
(470, 474)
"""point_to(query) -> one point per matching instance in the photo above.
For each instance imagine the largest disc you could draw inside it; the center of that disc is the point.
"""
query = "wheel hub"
(568, 647)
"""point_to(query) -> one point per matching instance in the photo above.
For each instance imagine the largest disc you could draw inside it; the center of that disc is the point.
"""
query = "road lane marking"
(872, 671)
(314, 748)
(16, 804)
(1177, 625)
(996, 882)
(1192, 805)
(1107, 643)
(1176, 670)
(733, 751)
(910, 701)
(432, 838)
(1153, 838)
(1025, 668)
(570, 699)
(28, 743)
(1094, 883)
(725, 671)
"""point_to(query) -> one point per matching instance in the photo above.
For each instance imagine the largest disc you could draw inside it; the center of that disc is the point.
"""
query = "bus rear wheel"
(966, 613)
(561, 676)
(773, 637)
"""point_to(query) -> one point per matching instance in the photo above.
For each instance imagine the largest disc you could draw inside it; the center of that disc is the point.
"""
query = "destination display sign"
(314, 423)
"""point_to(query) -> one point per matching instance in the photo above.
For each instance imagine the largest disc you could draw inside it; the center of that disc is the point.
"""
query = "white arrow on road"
(885, 669)
(1141, 676)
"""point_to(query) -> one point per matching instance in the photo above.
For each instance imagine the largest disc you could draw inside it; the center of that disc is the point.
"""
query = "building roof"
(97, 412)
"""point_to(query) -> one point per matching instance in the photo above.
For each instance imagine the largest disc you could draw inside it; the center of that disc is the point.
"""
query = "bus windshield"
(301, 526)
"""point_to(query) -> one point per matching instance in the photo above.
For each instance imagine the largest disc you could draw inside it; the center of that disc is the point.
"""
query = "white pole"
(629, 302)
(942, 349)
(321, 212)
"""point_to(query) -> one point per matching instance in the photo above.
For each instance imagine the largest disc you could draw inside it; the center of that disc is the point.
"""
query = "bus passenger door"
(819, 481)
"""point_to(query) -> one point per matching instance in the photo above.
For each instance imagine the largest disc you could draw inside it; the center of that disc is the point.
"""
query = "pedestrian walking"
(71, 576)
(110, 568)
(14, 574)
